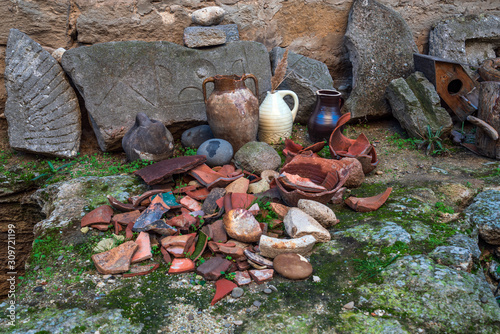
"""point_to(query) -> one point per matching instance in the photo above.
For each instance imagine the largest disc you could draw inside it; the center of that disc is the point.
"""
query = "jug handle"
(284, 93)
(342, 100)
(207, 80)
(251, 76)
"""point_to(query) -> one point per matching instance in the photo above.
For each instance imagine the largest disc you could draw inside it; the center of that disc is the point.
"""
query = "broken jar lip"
(328, 92)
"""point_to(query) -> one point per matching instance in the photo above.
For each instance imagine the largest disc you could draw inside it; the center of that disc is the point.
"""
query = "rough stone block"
(197, 37)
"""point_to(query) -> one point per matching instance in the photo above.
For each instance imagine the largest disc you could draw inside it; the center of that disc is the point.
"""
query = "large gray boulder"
(484, 212)
(416, 105)
(468, 39)
(381, 48)
(434, 297)
(161, 79)
(304, 76)
(41, 109)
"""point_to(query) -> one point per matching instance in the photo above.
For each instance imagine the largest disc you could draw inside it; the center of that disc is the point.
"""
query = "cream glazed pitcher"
(275, 117)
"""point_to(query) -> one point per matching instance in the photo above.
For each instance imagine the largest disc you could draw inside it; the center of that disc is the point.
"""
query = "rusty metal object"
(455, 87)
(488, 129)
(490, 70)
(232, 109)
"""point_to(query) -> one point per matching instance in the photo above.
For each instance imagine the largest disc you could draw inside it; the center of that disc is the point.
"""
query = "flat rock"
(231, 31)
(298, 223)
(456, 257)
(148, 139)
(196, 136)
(467, 39)
(304, 76)
(381, 48)
(41, 108)
(161, 79)
(322, 213)
(208, 16)
(416, 105)
(379, 233)
(484, 212)
(292, 266)
(197, 37)
(116, 260)
(463, 241)
(241, 225)
(219, 152)
(257, 157)
(272, 247)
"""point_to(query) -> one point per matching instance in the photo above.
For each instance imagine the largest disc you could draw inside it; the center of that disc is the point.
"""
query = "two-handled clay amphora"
(232, 109)
(275, 117)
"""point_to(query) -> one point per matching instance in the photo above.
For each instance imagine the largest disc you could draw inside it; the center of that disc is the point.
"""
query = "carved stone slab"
(381, 48)
(41, 109)
(161, 79)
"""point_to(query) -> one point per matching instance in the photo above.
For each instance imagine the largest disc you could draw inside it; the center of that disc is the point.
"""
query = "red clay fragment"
(242, 278)
(190, 204)
(141, 270)
(368, 204)
(128, 231)
(154, 212)
(143, 252)
(280, 209)
(361, 149)
(126, 218)
(161, 171)
(181, 266)
(176, 251)
(116, 260)
(199, 194)
(166, 256)
(118, 228)
(210, 179)
(122, 206)
(100, 227)
(223, 287)
(261, 276)
(296, 182)
(101, 215)
(241, 201)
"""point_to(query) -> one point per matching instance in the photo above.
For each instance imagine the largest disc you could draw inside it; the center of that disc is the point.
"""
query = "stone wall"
(314, 28)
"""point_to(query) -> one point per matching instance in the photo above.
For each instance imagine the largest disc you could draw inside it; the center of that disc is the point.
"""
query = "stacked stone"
(208, 32)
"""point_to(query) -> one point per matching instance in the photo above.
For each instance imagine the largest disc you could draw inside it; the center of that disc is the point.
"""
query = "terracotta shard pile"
(361, 149)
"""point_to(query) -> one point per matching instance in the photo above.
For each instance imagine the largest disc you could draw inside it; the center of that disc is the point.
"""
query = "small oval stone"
(292, 266)
(237, 292)
(196, 136)
(219, 152)
(208, 16)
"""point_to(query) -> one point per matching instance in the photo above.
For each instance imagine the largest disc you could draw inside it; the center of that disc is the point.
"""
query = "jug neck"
(228, 82)
(328, 97)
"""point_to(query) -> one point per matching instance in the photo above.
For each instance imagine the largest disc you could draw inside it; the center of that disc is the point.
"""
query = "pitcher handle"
(255, 81)
(342, 100)
(207, 80)
(284, 93)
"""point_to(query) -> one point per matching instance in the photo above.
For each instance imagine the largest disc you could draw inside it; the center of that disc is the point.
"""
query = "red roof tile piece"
(161, 171)
(368, 204)
(101, 215)
(223, 287)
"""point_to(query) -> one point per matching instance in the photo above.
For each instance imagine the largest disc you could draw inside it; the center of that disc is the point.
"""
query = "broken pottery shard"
(360, 148)
(161, 79)
(210, 204)
(256, 258)
(154, 212)
(242, 278)
(261, 276)
(241, 225)
(272, 247)
(302, 183)
(137, 270)
(298, 223)
(159, 226)
(185, 241)
(126, 218)
(161, 171)
(210, 178)
(41, 109)
(368, 204)
(122, 206)
(101, 215)
(381, 48)
(292, 266)
(217, 231)
(223, 287)
(190, 204)
(143, 251)
(241, 201)
(116, 260)
(176, 251)
(280, 209)
(304, 76)
(320, 212)
(239, 186)
(181, 266)
(211, 269)
(198, 194)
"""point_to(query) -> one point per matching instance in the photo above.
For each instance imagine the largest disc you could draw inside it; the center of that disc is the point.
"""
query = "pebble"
(105, 277)
(257, 303)
(238, 322)
(190, 317)
(268, 291)
(38, 289)
(272, 287)
(349, 306)
(316, 279)
(237, 292)
(100, 285)
(484, 300)
(379, 172)
(36, 268)
(60, 258)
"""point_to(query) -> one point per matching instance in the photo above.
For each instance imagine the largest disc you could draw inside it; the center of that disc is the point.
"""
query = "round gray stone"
(208, 16)
(196, 136)
(237, 292)
(268, 291)
(257, 157)
(219, 152)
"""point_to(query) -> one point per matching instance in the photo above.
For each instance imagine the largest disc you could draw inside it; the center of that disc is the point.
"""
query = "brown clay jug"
(325, 115)
(232, 109)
